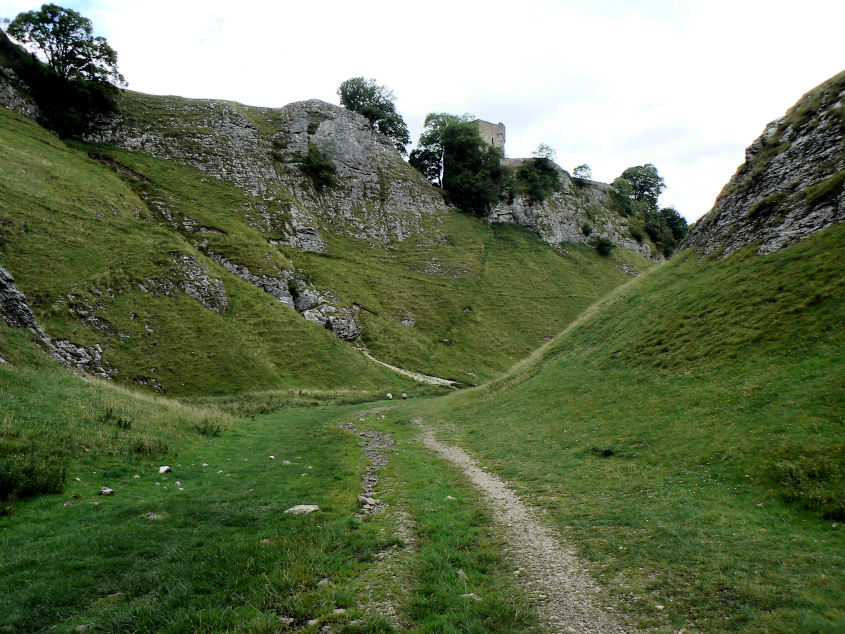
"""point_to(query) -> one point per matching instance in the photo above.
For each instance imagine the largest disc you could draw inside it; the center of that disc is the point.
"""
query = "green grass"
(222, 556)
(484, 297)
(77, 237)
(84, 227)
(686, 434)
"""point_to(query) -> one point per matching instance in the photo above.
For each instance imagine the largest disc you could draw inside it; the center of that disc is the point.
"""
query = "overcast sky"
(686, 85)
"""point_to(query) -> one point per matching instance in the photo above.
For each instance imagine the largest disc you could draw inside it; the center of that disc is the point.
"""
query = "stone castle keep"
(492, 133)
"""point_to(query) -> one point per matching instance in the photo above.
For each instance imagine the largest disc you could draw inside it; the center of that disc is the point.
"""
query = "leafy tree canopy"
(65, 40)
(472, 173)
(646, 182)
(376, 103)
(583, 172)
(544, 151)
(427, 158)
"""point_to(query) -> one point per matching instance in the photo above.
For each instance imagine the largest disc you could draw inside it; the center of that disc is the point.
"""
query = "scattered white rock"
(178, 483)
(389, 396)
(220, 471)
(272, 457)
(68, 503)
(313, 622)
(286, 620)
(471, 595)
(164, 469)
(325, 581)
(106, 491)
(286, 462)
(339, 611)
(658, 606)
(365, 501)
(77, 479)
(450, 498)
(136, 476)
(154, 516)
(181, 488)
(265, 540)
(204, 464)
(302, 509)
(462, 574)
(404, 395)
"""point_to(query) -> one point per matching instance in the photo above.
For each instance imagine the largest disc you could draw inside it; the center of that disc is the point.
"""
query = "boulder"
(302, 509)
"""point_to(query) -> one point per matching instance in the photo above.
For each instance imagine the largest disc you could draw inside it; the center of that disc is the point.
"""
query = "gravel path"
(567, 598)
(416, 376)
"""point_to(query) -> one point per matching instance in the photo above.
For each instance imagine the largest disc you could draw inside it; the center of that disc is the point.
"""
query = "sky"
(685, 85)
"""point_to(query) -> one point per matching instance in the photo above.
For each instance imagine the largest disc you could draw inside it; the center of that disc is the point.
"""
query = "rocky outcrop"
(562, 215)
(196, 282)
(791, 184)
(290, 289)
(376, 197)
(16, 313)
(15, 95)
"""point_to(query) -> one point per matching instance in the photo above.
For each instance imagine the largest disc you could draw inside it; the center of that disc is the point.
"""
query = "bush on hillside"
(537, 178)
(604, 246)
(318, 166)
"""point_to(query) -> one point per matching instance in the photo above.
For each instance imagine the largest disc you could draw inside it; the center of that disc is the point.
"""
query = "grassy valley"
(686, 434)
(677, 428)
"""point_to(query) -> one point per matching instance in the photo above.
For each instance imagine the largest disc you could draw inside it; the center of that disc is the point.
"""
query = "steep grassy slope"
(687, 435)
(98, 269)
(98, 237)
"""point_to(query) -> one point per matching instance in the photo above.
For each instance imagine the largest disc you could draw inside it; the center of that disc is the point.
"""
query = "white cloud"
(684, 85)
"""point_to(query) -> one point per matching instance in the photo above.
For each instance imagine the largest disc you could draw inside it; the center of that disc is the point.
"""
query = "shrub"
(637, 235)
(28, 476)
(538, 178)
(318, 166)
(207, 428)
(587, 229)
(604, 246)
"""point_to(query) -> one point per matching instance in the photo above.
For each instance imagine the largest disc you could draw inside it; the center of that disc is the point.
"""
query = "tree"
(646, 182)
(623, 197)
(376, 103)
(428, 157)
(583, 172)
(66, 41)
(472, 173)
(544, 151)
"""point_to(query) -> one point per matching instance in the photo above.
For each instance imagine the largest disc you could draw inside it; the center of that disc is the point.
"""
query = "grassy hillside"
(687, 435)
(207, 548)
(92, 235)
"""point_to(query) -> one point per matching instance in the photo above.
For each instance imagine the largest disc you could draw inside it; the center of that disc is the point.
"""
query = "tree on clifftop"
(429, 154)
(375, 102)
(65, 40)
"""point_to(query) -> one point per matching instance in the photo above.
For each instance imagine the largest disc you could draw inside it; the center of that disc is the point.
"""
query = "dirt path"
(567, 598)
(416, 376)
(391, 570)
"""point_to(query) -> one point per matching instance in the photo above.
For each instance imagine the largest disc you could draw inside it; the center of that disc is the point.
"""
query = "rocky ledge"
(791, 184)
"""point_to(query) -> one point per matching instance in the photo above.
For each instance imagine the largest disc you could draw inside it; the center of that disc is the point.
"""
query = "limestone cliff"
(791, 183)
(561, 217)
(376, 196)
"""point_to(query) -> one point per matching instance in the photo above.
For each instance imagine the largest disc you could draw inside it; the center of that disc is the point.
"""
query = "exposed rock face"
(791, 184)
(16, 313)
(15, 94)
(321, 308)
(561, 217)
(197, 283)
(377, 197)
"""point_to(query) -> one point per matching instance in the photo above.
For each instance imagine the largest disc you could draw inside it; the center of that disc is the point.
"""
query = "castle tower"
(491, 133)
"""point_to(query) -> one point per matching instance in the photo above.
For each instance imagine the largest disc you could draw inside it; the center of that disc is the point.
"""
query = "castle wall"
(492, 133)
